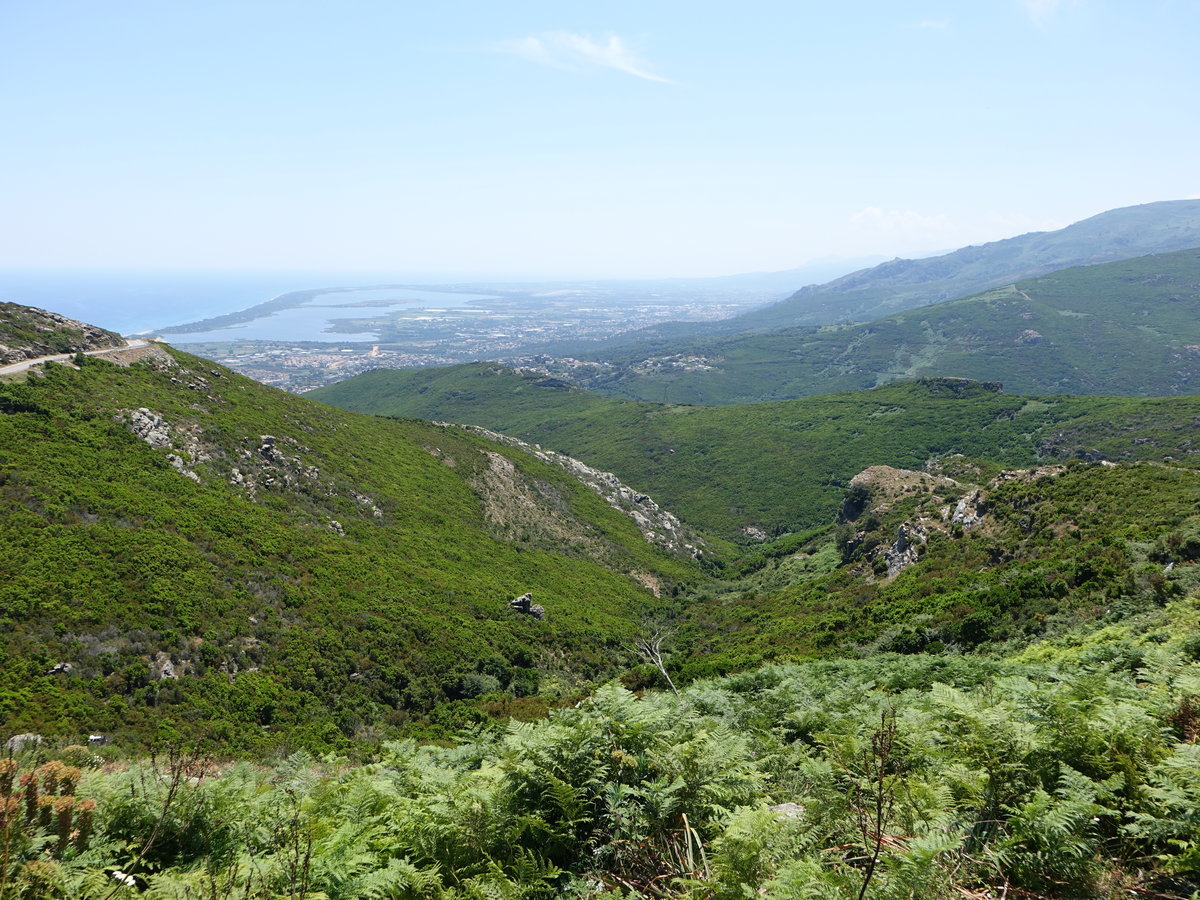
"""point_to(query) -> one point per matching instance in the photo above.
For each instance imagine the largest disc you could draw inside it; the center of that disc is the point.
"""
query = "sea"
(136, 302)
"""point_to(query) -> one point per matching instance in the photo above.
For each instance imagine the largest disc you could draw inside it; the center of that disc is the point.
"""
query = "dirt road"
(25, 364)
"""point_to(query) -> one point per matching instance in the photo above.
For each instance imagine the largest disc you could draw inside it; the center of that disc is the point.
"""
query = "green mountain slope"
(1130, 327)
(905, 283)
(922, 562)
(1003, 742)
(186, 550)
(779, 466)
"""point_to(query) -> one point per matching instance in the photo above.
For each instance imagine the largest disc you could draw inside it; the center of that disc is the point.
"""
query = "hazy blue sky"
(578, 138)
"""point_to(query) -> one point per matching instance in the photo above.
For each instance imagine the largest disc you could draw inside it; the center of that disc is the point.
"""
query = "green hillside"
(906, 283)
(1129, 328)
(309, 574)
(779, 466)
(981, 681)
(901, 284)
(926, 563)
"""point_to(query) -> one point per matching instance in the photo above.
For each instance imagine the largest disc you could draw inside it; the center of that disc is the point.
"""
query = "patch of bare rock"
(887, 484)
(656, 524)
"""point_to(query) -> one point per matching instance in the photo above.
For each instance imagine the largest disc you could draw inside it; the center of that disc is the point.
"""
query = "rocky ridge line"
(656, 524)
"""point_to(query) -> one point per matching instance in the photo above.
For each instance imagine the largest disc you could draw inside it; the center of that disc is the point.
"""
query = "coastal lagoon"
(312, 320)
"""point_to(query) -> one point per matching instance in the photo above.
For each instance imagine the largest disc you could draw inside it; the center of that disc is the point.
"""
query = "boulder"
(524, 604)
(19, 742)
(162, 667)
(785, 811)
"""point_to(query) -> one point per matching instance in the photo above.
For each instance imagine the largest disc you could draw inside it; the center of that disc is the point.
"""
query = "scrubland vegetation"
(1070, 770)
(289, 629)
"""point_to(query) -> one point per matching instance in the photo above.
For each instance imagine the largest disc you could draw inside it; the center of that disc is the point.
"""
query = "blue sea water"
(132, 302)
(129, 302)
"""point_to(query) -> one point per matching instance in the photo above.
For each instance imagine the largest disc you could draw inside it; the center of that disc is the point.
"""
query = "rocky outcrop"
(154, 429)
(275, 462)
(272, 462)
(524, 604)
(162, 667)
(150, 427)
(969, 510)
(1027, 475)
(656, 524)
(27, 332)
(887, 482)
(266, 461)
(905, 550)
(882, 487)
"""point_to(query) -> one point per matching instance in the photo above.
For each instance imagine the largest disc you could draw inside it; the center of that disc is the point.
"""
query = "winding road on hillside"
(25, 364)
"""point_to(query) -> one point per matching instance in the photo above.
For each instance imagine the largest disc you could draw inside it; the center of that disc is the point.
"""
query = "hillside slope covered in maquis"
(187, 551)
(1130, 327)
(775, 467)
(981, 682)
(923, 561)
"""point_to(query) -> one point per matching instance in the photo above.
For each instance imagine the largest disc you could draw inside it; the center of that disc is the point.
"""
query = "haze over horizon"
(538, 141)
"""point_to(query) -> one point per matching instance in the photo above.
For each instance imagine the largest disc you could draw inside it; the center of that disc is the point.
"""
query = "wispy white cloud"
(906, 222)
(579, 52)
(1040, 12)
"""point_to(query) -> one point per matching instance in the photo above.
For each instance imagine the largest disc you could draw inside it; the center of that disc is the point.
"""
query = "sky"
(570, 139)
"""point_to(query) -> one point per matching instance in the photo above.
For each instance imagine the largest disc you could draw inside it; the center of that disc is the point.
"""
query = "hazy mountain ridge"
(904, 283)
(1130, 327)
(900, 284)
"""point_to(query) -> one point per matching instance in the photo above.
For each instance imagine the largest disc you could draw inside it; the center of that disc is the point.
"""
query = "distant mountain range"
(902, 284)
(1129, 327)
(905, 283)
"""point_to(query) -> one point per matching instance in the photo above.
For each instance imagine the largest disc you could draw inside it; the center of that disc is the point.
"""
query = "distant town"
(534, 329)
